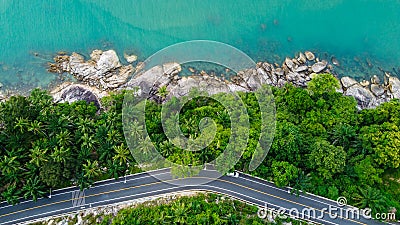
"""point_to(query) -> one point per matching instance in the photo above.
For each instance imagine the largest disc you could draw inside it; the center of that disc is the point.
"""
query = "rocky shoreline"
(103, 72)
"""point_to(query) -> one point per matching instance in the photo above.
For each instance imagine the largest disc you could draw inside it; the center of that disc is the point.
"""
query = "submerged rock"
(335, 61)
(130, 58)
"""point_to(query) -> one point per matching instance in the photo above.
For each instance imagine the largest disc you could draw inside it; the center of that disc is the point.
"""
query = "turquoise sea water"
(351, 30)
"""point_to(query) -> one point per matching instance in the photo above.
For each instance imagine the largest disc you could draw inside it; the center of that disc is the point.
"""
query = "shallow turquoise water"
(352, 31)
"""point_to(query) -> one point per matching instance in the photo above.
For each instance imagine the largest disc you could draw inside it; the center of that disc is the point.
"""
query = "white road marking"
(94, 187)
(302, 196)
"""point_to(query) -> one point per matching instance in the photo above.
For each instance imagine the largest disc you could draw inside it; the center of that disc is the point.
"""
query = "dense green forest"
(322, 145)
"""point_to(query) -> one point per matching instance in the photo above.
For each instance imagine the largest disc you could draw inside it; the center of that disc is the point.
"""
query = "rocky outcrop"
(69, 92)
(347, 82)
(394, 86)
(103, 70)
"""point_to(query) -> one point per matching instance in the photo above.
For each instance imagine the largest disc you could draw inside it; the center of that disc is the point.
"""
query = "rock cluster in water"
(105, 72)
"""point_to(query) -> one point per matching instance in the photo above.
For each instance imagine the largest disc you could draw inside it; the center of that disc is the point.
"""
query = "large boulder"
(394, 84)
(348, 82)
(377, 89)
(70, 92)
(309, 55)
(361, 94)
(107, 62)
(77, 93)
(319, 66)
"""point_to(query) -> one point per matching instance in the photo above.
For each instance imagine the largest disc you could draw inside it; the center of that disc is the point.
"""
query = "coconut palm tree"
(88, 141)
(9, 164)
(64, 138)
(121, 154)
(301, 183)
(370, 198)
(91, 169)
(136, 130)
(33, 188)
(113, 136)
(11, 194)
(85, 125)
(36, 127)
(38, 156)
(162, 92)
(60, 154)
(21, 124)
(166, 148)
(179, 213)
(114, 169)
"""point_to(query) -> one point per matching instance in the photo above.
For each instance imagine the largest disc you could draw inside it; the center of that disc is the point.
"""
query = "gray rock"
(102, 70)
(376, 102)
(291, 76)
(375, 79)
(263, 74)
(319, 66)
(309, 55)
(377, 89)
(394, 84)
(361, 94)
(108, 61)
(289, 63)
(348, 82)
(95, 55)
(301, 69)
(302, 58)
(79, 93)
(279, 72)
(281, 83)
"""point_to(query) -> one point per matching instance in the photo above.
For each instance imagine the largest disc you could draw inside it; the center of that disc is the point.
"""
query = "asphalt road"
(246, 188)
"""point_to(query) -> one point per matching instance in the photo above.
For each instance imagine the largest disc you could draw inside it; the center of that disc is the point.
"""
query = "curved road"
(245, 187)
